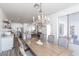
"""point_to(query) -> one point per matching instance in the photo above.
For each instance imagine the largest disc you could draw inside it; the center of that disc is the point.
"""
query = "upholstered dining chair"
(63, 42)
(43, 37)
(28, 36)
(50, 39)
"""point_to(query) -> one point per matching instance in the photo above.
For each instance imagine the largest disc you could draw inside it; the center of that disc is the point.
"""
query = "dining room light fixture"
(41, 20)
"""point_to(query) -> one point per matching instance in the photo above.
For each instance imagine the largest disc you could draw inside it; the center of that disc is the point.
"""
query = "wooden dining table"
(47, 49)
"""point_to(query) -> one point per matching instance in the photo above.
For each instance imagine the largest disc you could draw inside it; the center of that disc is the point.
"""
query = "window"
(74, 28)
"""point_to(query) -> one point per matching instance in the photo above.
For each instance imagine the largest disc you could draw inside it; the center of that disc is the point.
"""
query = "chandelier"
(41, 20)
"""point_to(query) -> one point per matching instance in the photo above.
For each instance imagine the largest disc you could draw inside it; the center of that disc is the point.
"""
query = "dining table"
(46, 49)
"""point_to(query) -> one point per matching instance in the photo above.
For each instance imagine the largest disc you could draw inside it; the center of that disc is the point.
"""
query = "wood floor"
(8, 53)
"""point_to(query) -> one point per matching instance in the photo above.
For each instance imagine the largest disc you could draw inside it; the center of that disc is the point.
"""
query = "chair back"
(63, 42)
(43, 37)
(29, 36)
(50, 39)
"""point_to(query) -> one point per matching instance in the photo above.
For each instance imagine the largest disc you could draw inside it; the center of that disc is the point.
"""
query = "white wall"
(2, 16)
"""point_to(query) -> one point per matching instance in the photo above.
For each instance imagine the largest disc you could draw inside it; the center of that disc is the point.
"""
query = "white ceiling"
(23, 12)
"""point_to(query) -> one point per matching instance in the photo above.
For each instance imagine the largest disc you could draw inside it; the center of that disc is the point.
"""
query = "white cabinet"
(6, 43)
(6, 37)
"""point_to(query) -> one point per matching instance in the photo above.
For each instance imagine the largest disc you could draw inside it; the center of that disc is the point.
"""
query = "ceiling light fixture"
(41, 20)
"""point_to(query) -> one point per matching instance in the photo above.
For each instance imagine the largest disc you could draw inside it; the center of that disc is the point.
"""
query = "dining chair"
(63, 42)
(28, 36)
(50, 39)
(43, 37)
(23, 51)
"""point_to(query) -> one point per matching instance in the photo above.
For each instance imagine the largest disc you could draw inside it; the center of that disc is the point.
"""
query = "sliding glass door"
(68, 32)
(74, 28)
